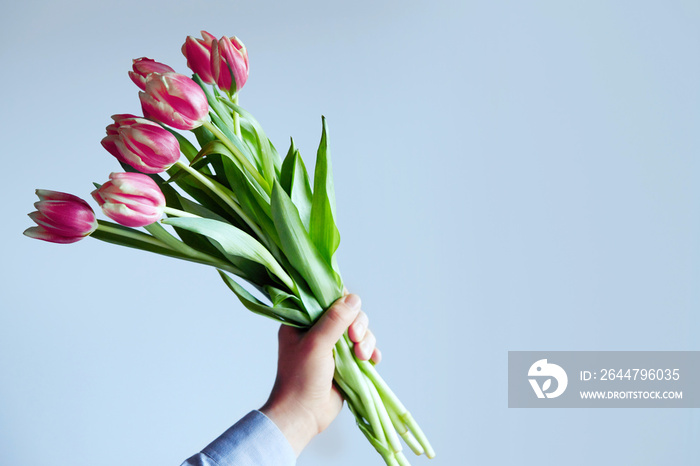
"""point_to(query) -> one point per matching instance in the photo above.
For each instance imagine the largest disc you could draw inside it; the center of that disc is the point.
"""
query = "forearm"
(297, 424)
(255, 439)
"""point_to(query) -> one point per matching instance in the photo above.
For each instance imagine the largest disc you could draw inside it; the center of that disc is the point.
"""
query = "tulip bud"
(61, 218)
(141, 143)
(143, 67)
(198, 54)
(175, 100)
(131, 199)
(229, 64)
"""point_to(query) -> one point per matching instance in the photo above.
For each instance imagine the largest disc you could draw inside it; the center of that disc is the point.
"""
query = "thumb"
(330, 327)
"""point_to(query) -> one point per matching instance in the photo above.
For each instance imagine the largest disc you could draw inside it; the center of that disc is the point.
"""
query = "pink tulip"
(143, 67)
(175, 100)
(131, 199)
(229, 57)
(141, 143)
(198, 54)
(61, 218)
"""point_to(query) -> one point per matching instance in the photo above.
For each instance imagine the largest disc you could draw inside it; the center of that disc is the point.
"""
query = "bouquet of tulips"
(232, 204)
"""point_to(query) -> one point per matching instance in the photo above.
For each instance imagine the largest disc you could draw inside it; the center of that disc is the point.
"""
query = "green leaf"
(275, 157)
(211, 202)
(203, 135)
(212, 147)
(301, 251)
(281, 298)
(197, 209)
(206, 138)
(295, 181)
(268, 160)
(322, 228)
(286, 175)
(123, 236)
(129, 237)
(254, 203)
(235, 140)
(286, 315)
(256, 144)
(233, 242)
(219, 148)
(174, 200)
(250, 139)
(309, 301)
(212, 97)
(220, 116)
(186, 147)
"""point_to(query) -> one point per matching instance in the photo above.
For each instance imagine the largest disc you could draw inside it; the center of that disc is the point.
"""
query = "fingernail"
(360, 329)
(364, 346)
(353, 301)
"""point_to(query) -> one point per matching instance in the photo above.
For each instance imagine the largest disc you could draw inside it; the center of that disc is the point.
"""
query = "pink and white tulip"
(175, 100)
(229, 58)
(61, 218)
(198, 54)
(141, 143)
(143, 67)
(131, 199)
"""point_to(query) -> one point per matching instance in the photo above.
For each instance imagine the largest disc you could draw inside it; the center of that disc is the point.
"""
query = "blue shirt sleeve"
(253, 441)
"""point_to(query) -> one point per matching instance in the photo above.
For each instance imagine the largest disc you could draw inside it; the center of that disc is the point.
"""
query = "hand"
(304, 399)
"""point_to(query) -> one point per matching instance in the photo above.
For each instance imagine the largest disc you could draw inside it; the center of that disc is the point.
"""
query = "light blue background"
(510, 176)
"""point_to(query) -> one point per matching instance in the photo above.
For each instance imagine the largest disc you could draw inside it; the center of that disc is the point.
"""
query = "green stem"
(419, 435)
(129, 233)
(213, 99)
(222, 195)
(162, 234)
(159, 245)
(239, 155)
(350, 395)
(357, 409)
(236, 119)
(394, 403)
(179, 213)
(405, 434)
(359, 383)
(401, 459)
(388, 426)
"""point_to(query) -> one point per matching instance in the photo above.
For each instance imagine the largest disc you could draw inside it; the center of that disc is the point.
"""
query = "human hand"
(304, 400)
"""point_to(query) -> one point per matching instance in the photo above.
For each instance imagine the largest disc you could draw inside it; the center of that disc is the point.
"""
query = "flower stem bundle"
(234, 204)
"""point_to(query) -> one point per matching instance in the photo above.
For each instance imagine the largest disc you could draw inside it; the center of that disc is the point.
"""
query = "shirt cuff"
(254, 440)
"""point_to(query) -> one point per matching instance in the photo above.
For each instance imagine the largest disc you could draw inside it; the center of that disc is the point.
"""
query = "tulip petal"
(47, 195)
(139, 80)
(175, 100)
(44, 235)
(61, 218)
(142, 67)
(131, 199)
(198, 54)
(208, 37)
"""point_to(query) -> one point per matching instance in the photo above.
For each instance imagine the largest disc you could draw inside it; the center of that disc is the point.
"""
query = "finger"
(365, 348)
(336, 399)
(288, 334)
(333, 323)
(376, 356)
(358, 328)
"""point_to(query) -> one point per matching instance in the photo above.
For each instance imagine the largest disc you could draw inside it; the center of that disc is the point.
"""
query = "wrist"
(297, 424)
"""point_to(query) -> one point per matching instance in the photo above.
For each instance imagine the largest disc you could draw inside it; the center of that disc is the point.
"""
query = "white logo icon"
(543, 369)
